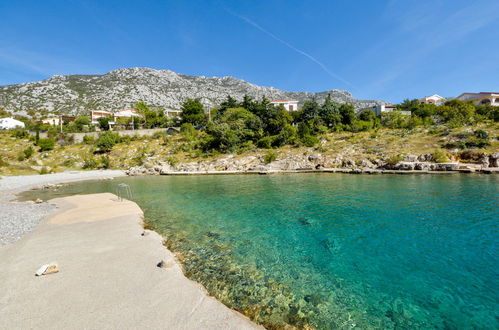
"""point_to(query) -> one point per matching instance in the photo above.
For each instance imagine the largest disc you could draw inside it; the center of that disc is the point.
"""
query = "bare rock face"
(425, 158)
(366, 163)
(121, 88)
(411, 158)
(494, 159)
(405, 166)
(348, 163)
(484, 161)
(445, 166)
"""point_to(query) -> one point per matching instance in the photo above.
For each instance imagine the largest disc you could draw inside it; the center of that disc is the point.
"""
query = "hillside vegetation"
(454, 131)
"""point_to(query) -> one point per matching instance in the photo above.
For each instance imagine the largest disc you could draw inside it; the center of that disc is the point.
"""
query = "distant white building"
(10, 123)
(172, 112)
(490, 98)
(433, 99)
(127, 113)
(384, 108)
(289, 105)
(54, 121)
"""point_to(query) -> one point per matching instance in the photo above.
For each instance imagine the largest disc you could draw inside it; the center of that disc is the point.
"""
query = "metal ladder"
(123, 190)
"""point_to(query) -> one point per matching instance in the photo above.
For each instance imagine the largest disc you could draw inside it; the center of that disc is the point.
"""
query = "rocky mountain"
(121, 88)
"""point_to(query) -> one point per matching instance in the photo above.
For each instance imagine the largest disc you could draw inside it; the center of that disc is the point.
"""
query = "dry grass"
(383, 143)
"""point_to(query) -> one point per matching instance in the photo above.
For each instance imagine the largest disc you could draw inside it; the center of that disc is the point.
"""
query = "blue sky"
(387, 50)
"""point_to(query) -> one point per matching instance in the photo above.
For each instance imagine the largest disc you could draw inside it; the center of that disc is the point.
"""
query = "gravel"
(19, 218)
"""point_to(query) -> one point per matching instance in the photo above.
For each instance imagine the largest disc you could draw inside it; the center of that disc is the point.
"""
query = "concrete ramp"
(108, 277)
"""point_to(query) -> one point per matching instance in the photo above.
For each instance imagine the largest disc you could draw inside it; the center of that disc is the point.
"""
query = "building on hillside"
(56, 120)
(96, 114)
(433, 99)
(487, 98)
(289, 105)
(172, 112)
(127, 113)
(10, 123)
(384, 108)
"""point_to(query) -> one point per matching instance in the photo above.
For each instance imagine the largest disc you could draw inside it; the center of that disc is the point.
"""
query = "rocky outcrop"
(494, 159)
(309, 162)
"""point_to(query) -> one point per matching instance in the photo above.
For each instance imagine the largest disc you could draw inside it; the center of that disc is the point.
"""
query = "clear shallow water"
(333, 251)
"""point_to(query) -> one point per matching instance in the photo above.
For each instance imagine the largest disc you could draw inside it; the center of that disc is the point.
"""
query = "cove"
(332, 250)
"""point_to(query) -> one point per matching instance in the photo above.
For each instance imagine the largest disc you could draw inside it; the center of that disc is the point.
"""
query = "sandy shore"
(108, 275)
(16, 219)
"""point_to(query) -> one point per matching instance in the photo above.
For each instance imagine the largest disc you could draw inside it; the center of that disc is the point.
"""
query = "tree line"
(240, 124)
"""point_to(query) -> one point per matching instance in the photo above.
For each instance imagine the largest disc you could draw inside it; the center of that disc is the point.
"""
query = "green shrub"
(89, 163)
(88, 139)
(139, 160)
(172, 161)
(265, 142)
(395, 159)
(453, 145)
(20, 133)
(107, 141)
(46, 144)
(104, 123)
(158, 135)
(44, 170)
(105, 162)
(125, 139)
(477, 143)
(440, 156)
(269, 157)
(187, 131)
(481, 134)
(3, 162)
(309, 140)
(28, 152)
(52, 132)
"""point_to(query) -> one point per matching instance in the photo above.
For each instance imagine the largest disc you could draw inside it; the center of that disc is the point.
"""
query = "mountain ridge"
(120, 88)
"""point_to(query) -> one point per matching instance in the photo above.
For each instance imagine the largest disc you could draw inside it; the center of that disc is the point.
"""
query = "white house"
(433, 99)
(128, 113)
(384, 108)
(289, 105)
(489, 98)
(96, 114)
(54, 121)
(10, 123)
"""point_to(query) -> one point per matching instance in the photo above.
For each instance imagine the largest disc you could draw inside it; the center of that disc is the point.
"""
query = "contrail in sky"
(287, 44)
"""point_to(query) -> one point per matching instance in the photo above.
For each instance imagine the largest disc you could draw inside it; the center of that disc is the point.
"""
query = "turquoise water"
(333, 250)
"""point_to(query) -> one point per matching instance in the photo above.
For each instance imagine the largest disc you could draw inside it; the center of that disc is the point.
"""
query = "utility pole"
(60, 123)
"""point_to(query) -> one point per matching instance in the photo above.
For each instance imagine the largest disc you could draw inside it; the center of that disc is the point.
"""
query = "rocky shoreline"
(317, 163)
